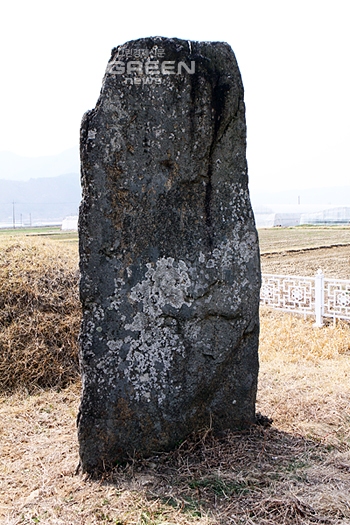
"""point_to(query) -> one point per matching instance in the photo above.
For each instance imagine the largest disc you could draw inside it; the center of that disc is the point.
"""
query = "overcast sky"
(293, 56)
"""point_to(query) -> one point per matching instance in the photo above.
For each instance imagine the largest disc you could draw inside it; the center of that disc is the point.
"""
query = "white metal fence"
(307, 295)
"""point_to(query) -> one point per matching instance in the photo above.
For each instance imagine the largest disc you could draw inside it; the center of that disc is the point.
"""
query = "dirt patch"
(334, 261)
(278, 240)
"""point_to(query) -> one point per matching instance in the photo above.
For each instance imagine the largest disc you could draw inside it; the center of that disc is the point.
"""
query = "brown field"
(334, 262)
(296, 471)
(285, 239)
(302, 251)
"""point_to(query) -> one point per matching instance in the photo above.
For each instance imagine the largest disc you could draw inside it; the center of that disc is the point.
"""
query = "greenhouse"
(339, 215)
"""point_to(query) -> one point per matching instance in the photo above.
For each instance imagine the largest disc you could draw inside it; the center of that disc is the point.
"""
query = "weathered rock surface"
(170, 271)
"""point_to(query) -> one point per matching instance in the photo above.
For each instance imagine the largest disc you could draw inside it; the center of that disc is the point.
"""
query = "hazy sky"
(293, 56)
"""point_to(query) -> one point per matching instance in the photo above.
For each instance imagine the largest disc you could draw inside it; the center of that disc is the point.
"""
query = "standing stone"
(169, 254)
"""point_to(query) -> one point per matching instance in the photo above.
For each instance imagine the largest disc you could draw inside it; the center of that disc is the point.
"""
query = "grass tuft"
(39, 314)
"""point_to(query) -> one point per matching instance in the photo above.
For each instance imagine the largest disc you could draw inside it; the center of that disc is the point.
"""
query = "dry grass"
(39, 313)
(295, 472)
(305, 371)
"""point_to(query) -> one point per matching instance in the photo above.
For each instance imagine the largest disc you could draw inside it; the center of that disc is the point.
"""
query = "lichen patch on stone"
(152, 351)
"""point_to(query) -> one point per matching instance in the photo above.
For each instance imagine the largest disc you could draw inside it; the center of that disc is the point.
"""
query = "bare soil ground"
(278, 240)
(296, 471)
(300, 251)
(334, 262)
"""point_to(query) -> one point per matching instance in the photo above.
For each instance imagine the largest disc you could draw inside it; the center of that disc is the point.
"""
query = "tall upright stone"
(169, 254)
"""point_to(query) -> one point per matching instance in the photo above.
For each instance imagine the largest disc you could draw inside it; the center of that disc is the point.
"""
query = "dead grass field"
(39, 312)
(295, 472)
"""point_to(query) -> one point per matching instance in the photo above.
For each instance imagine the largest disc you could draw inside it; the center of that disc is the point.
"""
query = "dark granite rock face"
(169, 255)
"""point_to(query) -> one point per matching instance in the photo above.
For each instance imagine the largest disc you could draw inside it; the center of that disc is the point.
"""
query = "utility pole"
(13, 215)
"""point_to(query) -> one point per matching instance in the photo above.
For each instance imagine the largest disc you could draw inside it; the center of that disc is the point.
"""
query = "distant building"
(70, 223)
(295, 215)
(276, 216)
(269, 220)
(332, 216)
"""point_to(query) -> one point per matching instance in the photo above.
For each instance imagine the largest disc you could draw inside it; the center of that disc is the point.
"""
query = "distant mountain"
(40, 189)
(14, 167)
(39, 200)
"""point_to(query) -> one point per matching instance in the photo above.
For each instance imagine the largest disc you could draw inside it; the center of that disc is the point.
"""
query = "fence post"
(319, 298)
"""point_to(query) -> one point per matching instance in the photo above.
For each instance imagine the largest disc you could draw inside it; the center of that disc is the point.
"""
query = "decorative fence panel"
(307, 295)
(337, 298)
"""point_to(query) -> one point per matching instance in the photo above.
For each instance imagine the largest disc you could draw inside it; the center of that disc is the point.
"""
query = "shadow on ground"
(261, 476)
